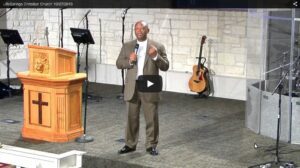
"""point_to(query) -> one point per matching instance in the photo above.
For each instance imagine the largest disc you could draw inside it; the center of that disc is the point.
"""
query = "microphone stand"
(85, 138)
(277, 161)
(62, 28)
(86, 95)
(7, 73)
(121, 96)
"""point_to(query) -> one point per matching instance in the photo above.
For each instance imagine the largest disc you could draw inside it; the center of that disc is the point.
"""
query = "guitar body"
(198, 81)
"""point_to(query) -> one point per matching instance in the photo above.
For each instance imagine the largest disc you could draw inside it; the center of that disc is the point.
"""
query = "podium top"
(51, 48)
(51, 62)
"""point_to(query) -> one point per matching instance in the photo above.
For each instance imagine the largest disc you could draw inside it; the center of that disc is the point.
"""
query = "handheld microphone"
(136, 48)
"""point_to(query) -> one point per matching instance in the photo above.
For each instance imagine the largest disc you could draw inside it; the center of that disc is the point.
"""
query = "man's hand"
(152, 51)
(132, 58)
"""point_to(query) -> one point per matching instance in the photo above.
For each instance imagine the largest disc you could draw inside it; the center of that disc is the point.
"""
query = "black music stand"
(83, 36)
(10, 37)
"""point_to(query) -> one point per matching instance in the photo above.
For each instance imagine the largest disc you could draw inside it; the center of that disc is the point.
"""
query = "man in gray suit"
(146, 58)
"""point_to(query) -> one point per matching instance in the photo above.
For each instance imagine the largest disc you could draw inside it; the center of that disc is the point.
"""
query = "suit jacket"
(151, 67)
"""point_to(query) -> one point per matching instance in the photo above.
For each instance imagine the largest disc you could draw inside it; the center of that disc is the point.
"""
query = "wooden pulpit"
(52, 95)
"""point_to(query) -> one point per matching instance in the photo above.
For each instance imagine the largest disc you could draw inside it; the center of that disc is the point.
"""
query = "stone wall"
(180, 30)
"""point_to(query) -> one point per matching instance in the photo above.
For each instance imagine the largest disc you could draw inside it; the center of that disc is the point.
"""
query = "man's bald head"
(145, 24)
(141, 30)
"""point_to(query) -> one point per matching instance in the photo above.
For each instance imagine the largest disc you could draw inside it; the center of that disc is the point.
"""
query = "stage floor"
(208, 133)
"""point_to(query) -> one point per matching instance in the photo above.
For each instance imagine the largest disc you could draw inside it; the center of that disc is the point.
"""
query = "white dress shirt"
(141, 55)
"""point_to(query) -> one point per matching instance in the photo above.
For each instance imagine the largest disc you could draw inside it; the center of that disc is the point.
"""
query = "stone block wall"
(180, 30)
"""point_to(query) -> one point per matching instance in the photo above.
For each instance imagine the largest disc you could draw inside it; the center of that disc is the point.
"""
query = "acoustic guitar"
(199, 80)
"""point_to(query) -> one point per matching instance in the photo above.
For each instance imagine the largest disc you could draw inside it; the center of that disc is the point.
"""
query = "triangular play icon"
(149, 83)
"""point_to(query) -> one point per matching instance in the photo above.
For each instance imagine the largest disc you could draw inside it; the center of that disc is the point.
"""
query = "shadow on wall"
(211, 72)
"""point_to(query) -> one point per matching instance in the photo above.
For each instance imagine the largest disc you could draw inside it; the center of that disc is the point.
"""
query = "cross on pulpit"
(40, 103)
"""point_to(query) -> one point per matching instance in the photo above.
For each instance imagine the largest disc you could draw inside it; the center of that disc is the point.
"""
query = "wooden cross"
(40, 103)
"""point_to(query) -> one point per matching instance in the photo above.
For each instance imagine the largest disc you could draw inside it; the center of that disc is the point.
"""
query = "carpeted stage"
(208, 133)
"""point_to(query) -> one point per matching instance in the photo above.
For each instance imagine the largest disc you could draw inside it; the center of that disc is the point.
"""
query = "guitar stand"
(204, 94)
(201, 96)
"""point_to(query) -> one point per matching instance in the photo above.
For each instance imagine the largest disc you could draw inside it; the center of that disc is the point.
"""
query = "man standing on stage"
(141, 57)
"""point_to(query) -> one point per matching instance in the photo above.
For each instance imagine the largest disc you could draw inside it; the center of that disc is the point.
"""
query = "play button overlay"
(149, 83)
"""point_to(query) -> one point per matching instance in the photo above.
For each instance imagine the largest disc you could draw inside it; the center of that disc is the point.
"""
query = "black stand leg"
(85, 138)
(7, 73)
(78, 59)
(89, 96)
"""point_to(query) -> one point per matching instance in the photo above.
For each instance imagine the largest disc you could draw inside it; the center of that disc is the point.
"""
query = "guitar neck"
(200, 56)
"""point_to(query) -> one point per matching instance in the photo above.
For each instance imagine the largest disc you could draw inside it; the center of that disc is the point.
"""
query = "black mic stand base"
(84, 139)
(275, 164)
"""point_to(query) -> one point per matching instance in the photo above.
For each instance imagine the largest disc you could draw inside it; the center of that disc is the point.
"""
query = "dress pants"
(133, 121)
